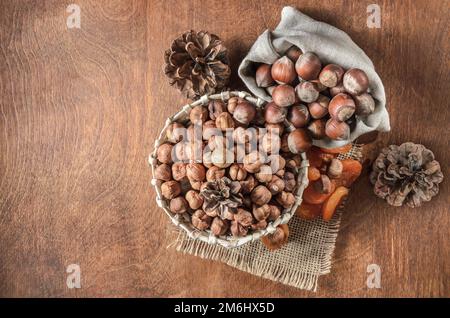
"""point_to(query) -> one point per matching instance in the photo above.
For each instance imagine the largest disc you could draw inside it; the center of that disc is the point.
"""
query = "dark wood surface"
(80, 109)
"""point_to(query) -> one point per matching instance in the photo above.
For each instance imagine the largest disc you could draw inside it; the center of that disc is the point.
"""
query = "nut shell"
(261, 195)
(342, 107)
(307, 92)
(308, 66)
(337, 130)
(298, 115)
(274, 114)
(356, 81)
(283, 95)
(283, 70)
(263, 76)
(299, 141)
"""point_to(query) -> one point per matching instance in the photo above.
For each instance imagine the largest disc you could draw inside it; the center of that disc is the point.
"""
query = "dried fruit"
(312, 196)
(333, 202)
(337, 150)
(351, 169)
(309, 211)
(313, 174)
(335, 168)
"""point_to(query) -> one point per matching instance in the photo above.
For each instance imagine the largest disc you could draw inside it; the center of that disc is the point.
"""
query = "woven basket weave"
(183, 220)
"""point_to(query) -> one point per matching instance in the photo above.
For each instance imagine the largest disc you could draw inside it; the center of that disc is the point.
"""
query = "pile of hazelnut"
(323, 101)
(250, 193)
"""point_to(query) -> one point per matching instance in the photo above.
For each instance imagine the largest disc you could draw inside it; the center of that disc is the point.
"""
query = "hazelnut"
(294, 161)
(341, 107)
(276, 185)
(248, 184)
(179, 170)
(277, 163)
(224, 121)
(356, 81)
(308, 66)
(337, 130)
(275, 212)
(337, 90)
(274, 114)
(299, 140)
(318, 85)
(180, 152)
(261, 212)
(163, 172)
(210, 129)
(285, 199)
(238, 229)
(194, 199)
(323, 184)
(195, 172)
(289, 181)
(293, 53)
(175, 132)
(259, 117)
(275, 128)
(198, 114)
(263, 76)
(178, 205)
(200, 220)
(219, 226)
(264, 175)
(259, 225)
(306, 92)
(298, 115)
(196, 185)
(319, 108)
(206, 158)
(284, 143)
(244, 217)
(237, 172)
(283, 71)
(280, 173)
(365, 104)
(317, 128)
(283, 95)
(335, 168)
(253, 161)
(232, 103)
(261, 195)
(214, 173)
(164, 153)
(331, 75)
(170, 189)
(215, 108)
(277, 239)
(270, 143)
(244, 113)
(222, 157)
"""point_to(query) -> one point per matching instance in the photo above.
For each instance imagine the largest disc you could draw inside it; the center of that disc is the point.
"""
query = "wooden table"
(80, 109)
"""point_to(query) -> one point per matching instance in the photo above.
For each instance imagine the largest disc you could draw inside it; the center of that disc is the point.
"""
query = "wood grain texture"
(80, 109)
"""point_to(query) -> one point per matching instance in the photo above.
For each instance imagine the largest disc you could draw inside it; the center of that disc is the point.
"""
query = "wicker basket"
(183, 220)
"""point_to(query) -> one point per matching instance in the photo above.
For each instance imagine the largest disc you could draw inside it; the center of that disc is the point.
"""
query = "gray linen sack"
(332, 46)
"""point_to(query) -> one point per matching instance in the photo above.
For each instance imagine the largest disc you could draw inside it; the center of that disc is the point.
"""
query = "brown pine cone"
(197, 64)
(406, 174)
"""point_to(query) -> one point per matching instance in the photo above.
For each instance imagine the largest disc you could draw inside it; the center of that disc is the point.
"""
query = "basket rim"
(182, 221)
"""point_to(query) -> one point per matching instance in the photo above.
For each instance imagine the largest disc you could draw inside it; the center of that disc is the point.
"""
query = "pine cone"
(223, 196)
(197, 64)
(406, 174)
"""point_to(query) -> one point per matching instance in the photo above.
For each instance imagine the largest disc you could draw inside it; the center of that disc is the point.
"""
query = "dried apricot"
(277, 239)
(312, 196)
(317, 157)
(313, 173)
(351, 170)
(333, 202)
(337, 150)
(309, 211)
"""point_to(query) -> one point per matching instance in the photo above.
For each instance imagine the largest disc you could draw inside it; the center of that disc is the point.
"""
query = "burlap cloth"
(299, 263)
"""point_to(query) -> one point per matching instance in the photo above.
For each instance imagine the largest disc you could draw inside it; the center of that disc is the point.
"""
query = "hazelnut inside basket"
(224, 170)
